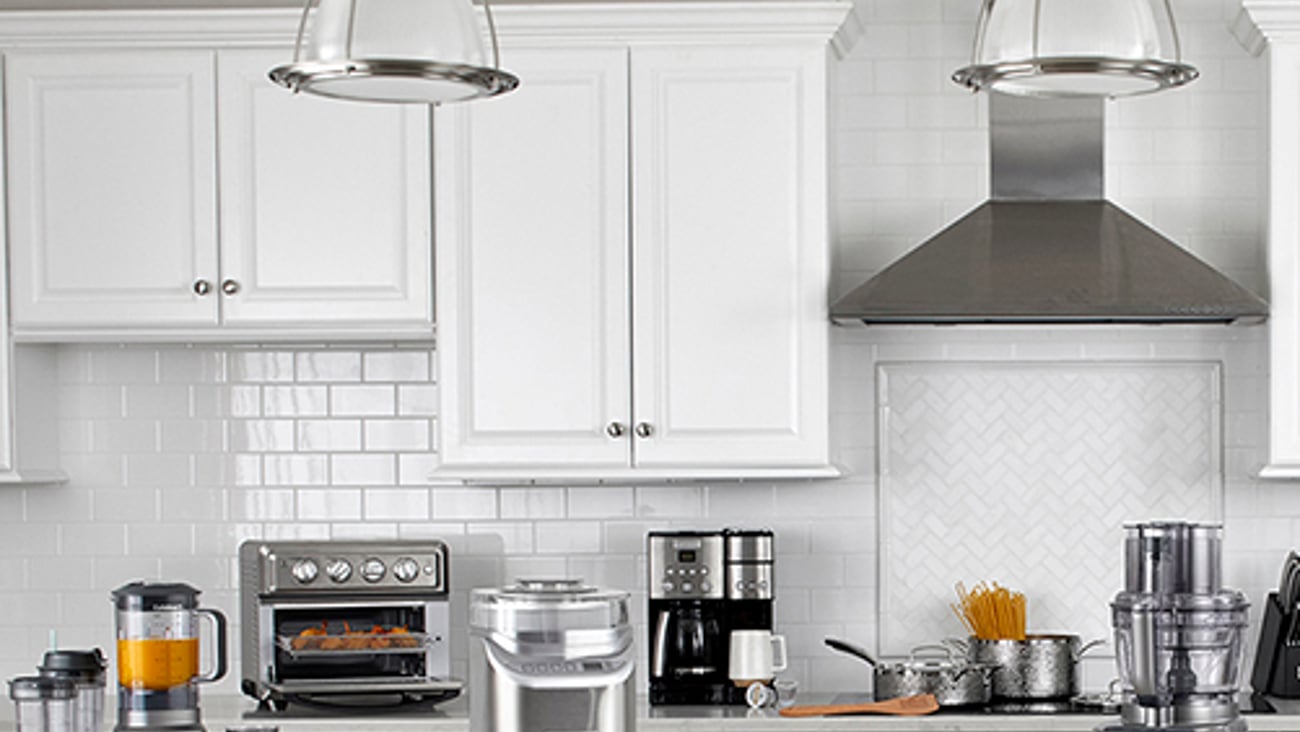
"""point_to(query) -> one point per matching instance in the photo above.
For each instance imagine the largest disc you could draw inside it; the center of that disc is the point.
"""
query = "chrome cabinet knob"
(644, 429)
(616, 430)
(202, 287)
(230, 287)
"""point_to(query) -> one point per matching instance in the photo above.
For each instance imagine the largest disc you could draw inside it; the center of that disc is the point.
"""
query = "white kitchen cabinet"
(632, 258)
(127, 163)
(1273, 29)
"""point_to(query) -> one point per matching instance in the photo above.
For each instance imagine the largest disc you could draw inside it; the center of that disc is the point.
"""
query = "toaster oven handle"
(660, 659)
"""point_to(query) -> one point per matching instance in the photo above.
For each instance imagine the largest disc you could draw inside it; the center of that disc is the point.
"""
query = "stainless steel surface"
(659, 659)
(686, 566)
(1042, 666)
(1159, 74)
(523, 684)
(1169, 557)
(230, 287)
(750, 582)
(750, 546)
(954, 682)
(644, 429)
(616, 429)
(202, 287)
(289, 582)
(1047, 260)
(1046, 151)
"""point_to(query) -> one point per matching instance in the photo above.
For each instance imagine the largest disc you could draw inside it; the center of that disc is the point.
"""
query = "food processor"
(1178, 632)
(158, 656)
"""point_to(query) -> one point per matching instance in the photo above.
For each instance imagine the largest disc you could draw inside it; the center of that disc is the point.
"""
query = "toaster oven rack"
(353, 644)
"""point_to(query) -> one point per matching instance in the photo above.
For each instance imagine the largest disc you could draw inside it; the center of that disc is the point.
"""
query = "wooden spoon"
(903, 705)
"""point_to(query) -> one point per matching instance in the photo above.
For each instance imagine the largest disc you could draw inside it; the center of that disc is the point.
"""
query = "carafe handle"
(780, 661)
(219, 624)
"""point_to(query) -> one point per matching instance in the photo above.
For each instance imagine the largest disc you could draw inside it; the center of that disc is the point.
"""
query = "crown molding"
(1261, 22)
(584, 23)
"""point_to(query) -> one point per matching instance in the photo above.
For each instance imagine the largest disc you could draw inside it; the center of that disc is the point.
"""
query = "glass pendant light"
(1076, 48)
(427, 51)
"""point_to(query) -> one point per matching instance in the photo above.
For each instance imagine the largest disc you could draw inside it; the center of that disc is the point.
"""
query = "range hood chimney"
(1048, 247)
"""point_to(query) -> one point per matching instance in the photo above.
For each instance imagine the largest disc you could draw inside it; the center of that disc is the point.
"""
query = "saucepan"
(954, 682)
(1042, 666)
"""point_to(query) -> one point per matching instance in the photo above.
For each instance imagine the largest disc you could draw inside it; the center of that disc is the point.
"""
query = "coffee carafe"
(1178, 632)
(158, 656)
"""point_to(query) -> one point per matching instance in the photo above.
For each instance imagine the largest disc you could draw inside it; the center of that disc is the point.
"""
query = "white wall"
(177, 454)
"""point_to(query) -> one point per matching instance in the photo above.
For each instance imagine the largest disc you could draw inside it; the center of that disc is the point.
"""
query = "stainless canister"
(1042, 666)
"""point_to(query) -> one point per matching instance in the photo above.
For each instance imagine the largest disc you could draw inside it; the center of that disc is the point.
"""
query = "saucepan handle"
(1087, 647)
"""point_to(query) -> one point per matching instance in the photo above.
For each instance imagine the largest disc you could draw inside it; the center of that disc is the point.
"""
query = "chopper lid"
(547, 606)
(41, 688)
(148, 596)
(76, 665)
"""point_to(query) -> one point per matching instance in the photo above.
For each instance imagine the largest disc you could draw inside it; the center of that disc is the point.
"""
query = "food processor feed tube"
(1178, 633)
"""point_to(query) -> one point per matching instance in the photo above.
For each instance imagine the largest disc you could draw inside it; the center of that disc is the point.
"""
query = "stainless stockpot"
(953, 681)
(1042, 666)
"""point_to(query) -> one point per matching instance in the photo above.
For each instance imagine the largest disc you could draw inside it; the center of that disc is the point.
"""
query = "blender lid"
(146, 596)
(85, 665)
(40, 688)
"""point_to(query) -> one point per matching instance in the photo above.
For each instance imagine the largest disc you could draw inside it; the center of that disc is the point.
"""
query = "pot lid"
(81, 665)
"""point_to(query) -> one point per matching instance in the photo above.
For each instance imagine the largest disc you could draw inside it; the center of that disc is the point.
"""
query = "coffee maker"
(1178, 631)
(703, 585)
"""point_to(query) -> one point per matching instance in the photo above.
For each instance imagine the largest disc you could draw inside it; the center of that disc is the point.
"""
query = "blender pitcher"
(158, 656)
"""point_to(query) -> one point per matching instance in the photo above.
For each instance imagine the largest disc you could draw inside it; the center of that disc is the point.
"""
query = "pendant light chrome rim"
(308, 76)
(1162, 74)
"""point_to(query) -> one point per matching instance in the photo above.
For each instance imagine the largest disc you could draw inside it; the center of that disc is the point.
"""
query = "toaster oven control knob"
(406, 569)
(372, 570)
(339, 570)
(305, 571)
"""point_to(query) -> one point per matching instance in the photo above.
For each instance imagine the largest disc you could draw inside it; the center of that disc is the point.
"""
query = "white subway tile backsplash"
(601, 501)
(464, 504)
(397, 435)
(196, 505)
(158, 469)
(260, 366)
(327, 366)
(397, 365)
(568, 537)
(191, 366)
(134, 505)
(295, 401)
(362, 401)
(332, 504)
(670, 501)
(368, 531)
(295, 469)
(60, 504)
(124, 365)
(396, 504)
(329, 435)
(159, 540)
(417, 400)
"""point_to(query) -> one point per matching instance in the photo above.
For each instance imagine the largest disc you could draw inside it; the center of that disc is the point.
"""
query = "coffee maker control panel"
(686, 566)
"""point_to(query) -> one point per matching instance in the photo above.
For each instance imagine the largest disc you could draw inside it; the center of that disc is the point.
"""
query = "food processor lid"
(148, 596)
(41, 688)
(1190, 602)
(544, 606)
(77, 665)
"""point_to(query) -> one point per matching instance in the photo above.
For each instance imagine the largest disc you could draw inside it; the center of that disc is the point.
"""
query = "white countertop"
(222, 713)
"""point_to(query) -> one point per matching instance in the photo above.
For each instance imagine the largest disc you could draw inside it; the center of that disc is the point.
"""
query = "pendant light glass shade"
(427, 51)
(1076, 48)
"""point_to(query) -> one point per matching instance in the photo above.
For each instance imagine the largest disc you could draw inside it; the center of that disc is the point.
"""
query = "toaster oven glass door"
(362, 643)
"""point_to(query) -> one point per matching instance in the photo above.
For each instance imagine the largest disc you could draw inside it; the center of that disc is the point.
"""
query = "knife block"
(1277, 659)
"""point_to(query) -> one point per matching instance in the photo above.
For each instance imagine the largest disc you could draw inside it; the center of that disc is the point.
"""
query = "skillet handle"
(852, 650)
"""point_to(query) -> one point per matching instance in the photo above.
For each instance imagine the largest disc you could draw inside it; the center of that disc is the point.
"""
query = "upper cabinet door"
(325, 205)
(730, 270)
(111, 187)
(532, 247)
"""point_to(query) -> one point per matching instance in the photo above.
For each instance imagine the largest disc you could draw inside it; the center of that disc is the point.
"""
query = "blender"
(158, 656)
(1178, 632)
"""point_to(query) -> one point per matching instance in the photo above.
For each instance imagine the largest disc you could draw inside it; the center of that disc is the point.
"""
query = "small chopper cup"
(755, 655)
(85, 669)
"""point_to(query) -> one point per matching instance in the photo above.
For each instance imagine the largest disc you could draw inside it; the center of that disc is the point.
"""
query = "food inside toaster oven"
(374, 638)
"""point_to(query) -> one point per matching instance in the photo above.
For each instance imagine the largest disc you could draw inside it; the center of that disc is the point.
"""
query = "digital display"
(686, 556)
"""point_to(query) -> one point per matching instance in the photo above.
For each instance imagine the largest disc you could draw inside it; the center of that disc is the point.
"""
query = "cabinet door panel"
(532, 266)
(112, 177)
(729, 232)
(325, 205)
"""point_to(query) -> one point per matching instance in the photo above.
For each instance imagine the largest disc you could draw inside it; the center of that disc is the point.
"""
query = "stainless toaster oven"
(345, 623)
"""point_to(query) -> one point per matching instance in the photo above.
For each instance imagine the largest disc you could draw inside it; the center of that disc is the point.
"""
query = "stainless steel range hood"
(1048, 248)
